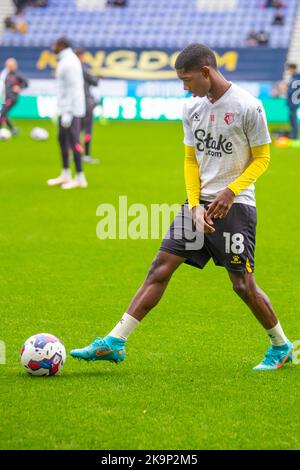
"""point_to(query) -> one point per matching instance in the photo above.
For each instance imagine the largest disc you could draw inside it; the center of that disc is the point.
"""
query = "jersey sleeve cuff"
(232, 188)
(193, 204)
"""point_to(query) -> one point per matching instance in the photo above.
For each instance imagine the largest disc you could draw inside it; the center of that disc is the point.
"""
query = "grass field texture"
(187, 381)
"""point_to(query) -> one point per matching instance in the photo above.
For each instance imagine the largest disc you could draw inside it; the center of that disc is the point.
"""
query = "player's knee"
(159, 271)
(240, 288)
(243, 288)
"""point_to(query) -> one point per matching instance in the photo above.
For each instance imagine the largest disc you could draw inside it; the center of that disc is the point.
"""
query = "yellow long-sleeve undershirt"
(261, 160)
(191, 176)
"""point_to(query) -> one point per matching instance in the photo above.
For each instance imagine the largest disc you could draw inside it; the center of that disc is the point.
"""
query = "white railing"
(91, 4)
(6, 9)
(294, 49)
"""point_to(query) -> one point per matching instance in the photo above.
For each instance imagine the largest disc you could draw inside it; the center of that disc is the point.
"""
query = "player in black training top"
(13, 83)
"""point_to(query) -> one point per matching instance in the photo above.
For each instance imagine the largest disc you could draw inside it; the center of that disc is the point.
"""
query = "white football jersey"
(70, 84)
(222, 134)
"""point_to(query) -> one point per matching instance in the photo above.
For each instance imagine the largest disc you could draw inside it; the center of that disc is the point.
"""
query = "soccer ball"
(283, 142)
(43, 354)
(5, 134)
(38, 133)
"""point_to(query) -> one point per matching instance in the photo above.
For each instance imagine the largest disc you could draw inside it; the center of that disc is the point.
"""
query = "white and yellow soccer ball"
(43, 354)
(38, 133)
(5, 134)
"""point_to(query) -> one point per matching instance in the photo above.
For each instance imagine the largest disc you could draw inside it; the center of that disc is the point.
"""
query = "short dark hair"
(291, 66)
(63, 42)
(196, 56)
(79, 51)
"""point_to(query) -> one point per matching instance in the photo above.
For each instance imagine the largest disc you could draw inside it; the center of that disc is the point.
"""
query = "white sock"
(66, 173)
(277, 336)
(125, 327)
(80, 177)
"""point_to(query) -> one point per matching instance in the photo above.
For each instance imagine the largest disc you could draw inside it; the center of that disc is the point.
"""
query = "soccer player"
(292, 103)
(71, 106)
(87, 122)
(13, 83)
(226, 149)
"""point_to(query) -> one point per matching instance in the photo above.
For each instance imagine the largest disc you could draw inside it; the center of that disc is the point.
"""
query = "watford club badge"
(229, 118)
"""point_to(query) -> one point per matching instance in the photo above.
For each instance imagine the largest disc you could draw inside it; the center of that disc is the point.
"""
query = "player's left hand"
(16, 89)
(66, 120)
(220, 206)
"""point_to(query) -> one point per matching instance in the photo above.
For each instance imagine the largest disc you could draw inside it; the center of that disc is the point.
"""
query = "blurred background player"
(292, 103)
(71, 108)
(12, 82)
(87, 122)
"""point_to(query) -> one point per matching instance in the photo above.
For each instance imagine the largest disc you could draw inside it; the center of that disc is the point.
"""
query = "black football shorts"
(232, 244)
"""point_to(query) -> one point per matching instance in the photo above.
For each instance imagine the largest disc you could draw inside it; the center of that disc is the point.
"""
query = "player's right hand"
(202, 222)
(66, 120)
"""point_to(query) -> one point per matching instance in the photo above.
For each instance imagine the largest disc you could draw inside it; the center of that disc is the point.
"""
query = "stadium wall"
(133, 108)
(241, 64)
(142, 84)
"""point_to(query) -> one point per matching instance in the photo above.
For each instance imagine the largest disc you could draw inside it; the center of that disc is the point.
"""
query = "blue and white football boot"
(102, 349)
(276, 357)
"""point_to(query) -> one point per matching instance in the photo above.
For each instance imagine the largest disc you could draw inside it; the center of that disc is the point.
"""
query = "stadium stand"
(293, 55)
(155, 23)
(6, 10)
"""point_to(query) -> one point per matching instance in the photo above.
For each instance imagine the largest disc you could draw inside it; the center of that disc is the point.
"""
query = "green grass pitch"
(187, 381)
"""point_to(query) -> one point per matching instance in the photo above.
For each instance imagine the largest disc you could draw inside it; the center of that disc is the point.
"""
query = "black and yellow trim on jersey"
(261, 160)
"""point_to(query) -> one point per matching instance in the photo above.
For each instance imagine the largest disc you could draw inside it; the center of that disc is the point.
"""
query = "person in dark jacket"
(87, 122)
(293, 98)
(13, 83)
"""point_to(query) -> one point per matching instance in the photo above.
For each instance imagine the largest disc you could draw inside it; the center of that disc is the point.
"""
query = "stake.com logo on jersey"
(214, 146)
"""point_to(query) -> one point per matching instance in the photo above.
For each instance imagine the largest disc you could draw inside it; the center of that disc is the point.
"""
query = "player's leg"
(88, 130)
(65, 176)
(87, 143)
(112, 347)
(74, 142)
(294, 123)
(9, 123)
(232, 246)
(11, 127)
(280, 352)
(88, 123)
(180, 244)
(245, 286)
(154, 285)
(4, 119)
